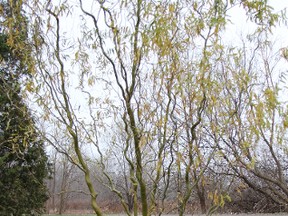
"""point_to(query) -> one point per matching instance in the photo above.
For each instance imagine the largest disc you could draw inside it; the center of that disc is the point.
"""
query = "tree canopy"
(153, 84)
(23, 160)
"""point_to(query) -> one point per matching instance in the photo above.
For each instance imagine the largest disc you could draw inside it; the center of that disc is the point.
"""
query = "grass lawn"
(275, 214)
(69, 215)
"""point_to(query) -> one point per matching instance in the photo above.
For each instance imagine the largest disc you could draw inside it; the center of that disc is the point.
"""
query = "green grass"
(83, 214)
(69, 215)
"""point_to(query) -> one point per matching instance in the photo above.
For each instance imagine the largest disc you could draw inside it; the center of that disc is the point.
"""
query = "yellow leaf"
(30, 86)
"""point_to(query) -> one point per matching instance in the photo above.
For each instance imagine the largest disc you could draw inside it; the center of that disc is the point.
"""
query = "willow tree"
(250, 129)
(146, 64)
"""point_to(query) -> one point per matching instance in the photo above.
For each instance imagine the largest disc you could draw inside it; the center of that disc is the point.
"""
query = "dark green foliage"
(23, 161)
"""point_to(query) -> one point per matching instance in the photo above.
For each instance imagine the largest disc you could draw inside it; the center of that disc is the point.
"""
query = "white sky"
(240, 24)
